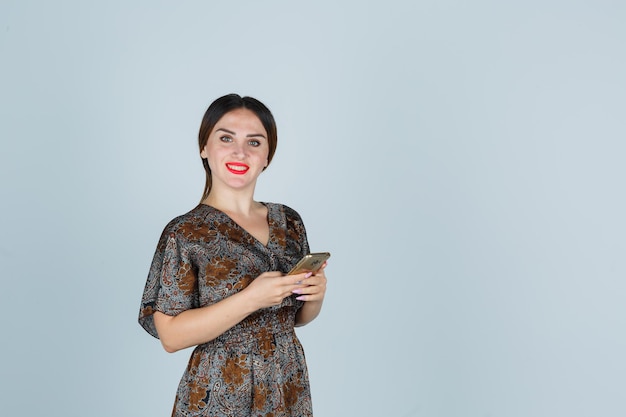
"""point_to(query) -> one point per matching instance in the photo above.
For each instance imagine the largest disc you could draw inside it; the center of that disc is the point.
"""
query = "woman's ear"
(203, 153)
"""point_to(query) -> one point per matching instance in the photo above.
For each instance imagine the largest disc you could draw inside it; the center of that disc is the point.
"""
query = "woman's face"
(237, 149)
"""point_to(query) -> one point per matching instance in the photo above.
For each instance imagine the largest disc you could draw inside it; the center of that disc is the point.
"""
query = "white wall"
(467, 159)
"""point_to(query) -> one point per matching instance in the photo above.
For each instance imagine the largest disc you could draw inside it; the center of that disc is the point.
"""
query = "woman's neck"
(234, 203)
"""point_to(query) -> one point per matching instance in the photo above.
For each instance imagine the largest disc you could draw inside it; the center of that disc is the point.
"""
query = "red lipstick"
(237, 168)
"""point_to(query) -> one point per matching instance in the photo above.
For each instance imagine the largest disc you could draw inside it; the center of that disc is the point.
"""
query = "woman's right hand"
(270, 288)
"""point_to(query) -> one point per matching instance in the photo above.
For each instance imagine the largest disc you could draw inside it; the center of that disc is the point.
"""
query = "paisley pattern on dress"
(258, 367)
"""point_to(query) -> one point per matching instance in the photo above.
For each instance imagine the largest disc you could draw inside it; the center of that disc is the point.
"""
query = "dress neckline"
(269, 218)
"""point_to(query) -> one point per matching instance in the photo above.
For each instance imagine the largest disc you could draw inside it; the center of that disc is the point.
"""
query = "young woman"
(217, 280)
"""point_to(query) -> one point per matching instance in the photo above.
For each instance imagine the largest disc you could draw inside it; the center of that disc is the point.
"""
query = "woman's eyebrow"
(251, 135)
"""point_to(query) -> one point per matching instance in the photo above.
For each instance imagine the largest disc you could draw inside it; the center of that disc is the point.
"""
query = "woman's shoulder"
(289, 213)
(196, 220)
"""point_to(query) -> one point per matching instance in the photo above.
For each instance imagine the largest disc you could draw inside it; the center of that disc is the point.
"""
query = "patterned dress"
(256, 368)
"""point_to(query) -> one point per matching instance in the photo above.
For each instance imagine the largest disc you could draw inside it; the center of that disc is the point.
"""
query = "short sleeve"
(300, 232)
(171, 286)
(297, 242)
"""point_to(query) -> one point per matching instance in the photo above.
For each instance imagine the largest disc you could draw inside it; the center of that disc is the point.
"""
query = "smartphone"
(311, 262)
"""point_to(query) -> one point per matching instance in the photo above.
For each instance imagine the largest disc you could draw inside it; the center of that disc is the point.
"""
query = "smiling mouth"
(237, 168)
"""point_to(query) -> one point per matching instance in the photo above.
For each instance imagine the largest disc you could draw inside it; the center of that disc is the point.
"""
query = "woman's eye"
(226, 139)
(254, 142)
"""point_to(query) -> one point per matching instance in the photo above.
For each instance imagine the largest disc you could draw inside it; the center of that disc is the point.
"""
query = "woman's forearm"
(201, 325)
(308, 312)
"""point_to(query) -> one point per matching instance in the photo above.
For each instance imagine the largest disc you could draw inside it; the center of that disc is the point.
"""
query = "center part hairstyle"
(217, 110)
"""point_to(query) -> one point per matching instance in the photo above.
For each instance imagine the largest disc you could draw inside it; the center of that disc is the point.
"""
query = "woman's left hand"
(314, 287)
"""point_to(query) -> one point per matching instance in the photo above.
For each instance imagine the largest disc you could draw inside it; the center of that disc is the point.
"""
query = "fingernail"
(297, 291)
(301, 298)
(308, 274)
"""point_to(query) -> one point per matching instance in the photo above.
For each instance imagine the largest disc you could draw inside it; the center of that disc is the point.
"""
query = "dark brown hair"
(217, 110)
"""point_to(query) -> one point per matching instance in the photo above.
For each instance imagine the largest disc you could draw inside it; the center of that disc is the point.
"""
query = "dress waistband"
(257, 330)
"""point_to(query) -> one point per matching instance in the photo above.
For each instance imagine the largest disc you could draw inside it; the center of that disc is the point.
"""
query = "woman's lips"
(237, 168)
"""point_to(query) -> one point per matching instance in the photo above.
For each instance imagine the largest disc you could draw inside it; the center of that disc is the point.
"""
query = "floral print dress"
(256, 368)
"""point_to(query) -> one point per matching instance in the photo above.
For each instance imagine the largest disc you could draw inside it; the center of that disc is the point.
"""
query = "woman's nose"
(239, 149)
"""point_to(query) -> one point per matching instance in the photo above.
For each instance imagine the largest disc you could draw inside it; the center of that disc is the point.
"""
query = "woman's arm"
(313, 295)
(200, 325)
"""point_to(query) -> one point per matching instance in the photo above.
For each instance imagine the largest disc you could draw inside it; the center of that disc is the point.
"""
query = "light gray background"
(462, 160)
